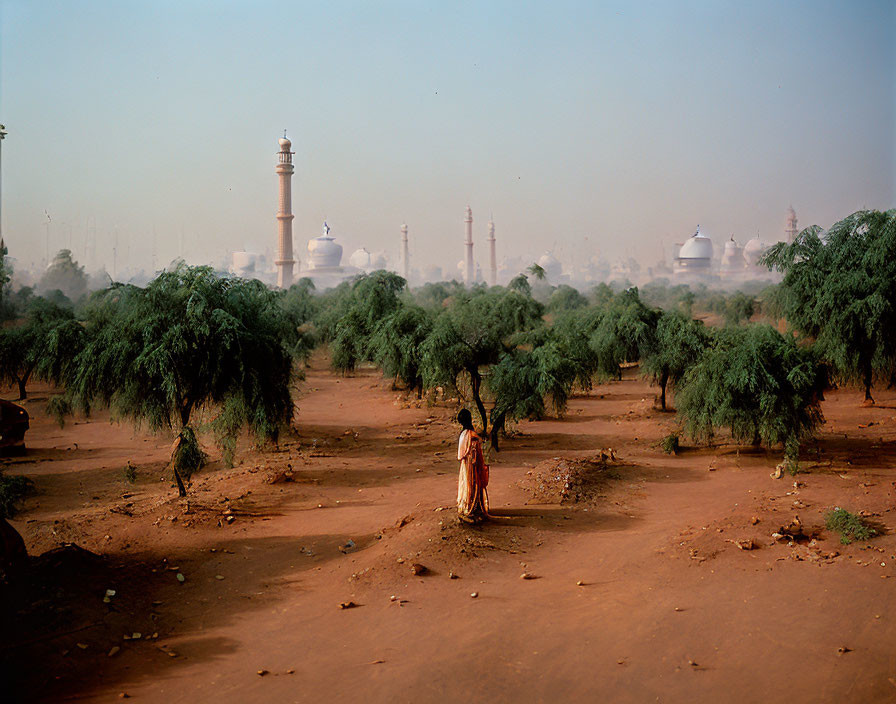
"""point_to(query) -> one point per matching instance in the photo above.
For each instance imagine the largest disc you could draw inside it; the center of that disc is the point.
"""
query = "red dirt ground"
(669, 608)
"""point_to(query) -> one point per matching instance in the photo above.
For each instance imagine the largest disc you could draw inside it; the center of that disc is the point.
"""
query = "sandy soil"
(638, 593)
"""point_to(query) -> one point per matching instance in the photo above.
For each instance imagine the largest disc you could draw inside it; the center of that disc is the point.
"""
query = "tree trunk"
(867, 378)
(497, 426)
(476, 383)
(181, 489)
(663, 381)
(23, 394)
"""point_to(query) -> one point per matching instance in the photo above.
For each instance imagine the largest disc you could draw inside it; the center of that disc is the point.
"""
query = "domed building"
(732, 258)
(360, 259)
(553, 270)
(695, 256)
(324, 255)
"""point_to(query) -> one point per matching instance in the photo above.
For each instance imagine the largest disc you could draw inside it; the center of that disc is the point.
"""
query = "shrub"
(848, 525)
(670, 444)
(13, 488)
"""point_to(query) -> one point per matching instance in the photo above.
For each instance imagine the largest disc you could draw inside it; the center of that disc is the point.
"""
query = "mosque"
(695, 259)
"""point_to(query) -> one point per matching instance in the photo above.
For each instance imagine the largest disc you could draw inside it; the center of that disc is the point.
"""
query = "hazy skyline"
(580, 126)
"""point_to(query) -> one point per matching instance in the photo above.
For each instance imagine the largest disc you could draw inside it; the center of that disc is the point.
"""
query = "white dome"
(285, 144)
(753, 250)
(324, 253)
(360, 258)
(732, 256)
(550, 264)
(378, 260)
(699, 246)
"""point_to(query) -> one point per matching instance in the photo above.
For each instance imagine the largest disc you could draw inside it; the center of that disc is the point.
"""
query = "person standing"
(472, 497)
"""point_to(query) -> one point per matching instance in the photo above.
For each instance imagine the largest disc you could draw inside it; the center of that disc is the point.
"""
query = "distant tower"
(284, 259)
(492, 261)
(469, 272)
(791, 229)
(404, 251)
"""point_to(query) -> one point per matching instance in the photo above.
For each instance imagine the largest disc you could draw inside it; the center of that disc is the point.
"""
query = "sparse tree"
(678, 344)
(757, 383)
(190, 341)
(472, 334)
(839, 288)
(396, 344)
(42, 346)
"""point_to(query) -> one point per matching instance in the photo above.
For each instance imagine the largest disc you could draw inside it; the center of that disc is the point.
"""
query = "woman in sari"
(472, 497)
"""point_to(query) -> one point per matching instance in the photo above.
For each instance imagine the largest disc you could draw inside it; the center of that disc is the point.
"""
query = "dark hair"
(465, 418)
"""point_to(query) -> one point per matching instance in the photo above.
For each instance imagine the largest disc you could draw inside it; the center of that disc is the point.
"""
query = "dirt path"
(669, 610)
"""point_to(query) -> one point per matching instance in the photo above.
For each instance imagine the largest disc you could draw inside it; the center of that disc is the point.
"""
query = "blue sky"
(581, 126)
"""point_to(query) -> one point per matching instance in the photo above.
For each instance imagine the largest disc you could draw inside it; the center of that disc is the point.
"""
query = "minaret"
(791, 229)
(492, 261)
(404, 251)
(284, 170)
(469, 272)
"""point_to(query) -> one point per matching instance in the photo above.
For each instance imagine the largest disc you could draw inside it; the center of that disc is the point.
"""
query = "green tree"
(565, 298)
(625, 332)
(679, 342)
(396, 344)
(738, 308)
(42, 346)
(372, 297)
(839, 288)
(189, 341)
(537, 271)
(757, 383)
(301, 307)
(526, 383)
(472, 334)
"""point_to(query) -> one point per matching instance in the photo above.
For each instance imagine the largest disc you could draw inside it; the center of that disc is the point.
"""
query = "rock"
(580, 583)
(230, 518)
(136, 635)
(527, 575)
(843, 649)
(262, 673)
(747, 544)
(181, 578)
(692, 663)
(219, 576)
(474, 595)
(124, 695)
(418, 569)
(290, 671)
(754, 520)
(393, 598)
(113, 651)
(82, 646)
(451, 575)
(347, 605)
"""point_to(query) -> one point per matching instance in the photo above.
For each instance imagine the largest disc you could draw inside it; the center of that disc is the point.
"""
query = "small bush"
(13, 489)
(129, 473)
(850, 526)
(670, 444)
(188, 457)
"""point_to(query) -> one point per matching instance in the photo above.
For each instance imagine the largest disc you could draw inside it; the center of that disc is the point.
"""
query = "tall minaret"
(469, 272)
(284, 170)
(492, 261)
(791, 229)
(404, 251)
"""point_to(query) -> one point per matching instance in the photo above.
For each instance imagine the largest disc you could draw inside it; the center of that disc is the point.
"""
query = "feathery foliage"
(43, 346)
(188, 341)
(396, 344)
(679, 342)
(758, 384)
(839, 288)
(371, 298)
(472, 333)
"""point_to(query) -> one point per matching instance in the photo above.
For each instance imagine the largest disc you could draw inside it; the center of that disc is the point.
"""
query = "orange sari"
(472, 497)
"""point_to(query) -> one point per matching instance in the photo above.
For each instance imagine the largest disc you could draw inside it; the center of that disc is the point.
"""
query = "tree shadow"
(56, 632)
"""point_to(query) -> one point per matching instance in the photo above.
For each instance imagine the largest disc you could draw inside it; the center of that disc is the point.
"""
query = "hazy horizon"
(581, 128)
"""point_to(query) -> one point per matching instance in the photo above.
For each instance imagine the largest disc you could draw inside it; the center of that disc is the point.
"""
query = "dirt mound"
(565, 480)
